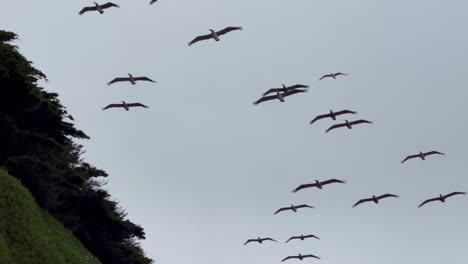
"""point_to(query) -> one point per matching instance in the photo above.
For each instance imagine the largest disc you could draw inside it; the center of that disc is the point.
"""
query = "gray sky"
(202, 169)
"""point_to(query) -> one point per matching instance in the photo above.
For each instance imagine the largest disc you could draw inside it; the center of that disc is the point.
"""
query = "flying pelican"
(441, 198)
(300, 257)
(422, 155)
(279, 96)
(285, 89)
(214, 35)
(317, 184)
(125, 105)
(259, 240)
(332, 75)
(332, 115)
(301, 237)
(153, 1)
(348, 124)
(293, 208)
(130, 79)
(97, 7)
(375, 199)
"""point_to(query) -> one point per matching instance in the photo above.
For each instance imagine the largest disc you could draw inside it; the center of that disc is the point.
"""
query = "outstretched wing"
(360, 121)
(273, 90)
(308, 236)
(153, 1)
(109, 4)
(340, 73)
(226, 30)
(137, 105)
(265, 98)
(112, 105)
(291, 238)
(335, 126)
(428, 201)
(200, 38)
(289, 257)
(311, 256)
(143, 79)
(283, 209)
(319, 117)
(303, 186)
(291, 92)
(454, 193)
(332, 181)
(362, 201)
(387, 195)
(409, 157)
(119, 79)
(297, 86)
(304, 206)
(342, 112)
(325, 76)
(86, 9)
(433, 152)
(268, 238)
(248, 241)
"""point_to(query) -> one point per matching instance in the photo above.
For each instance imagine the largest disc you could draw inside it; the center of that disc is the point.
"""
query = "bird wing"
(283, 209)
(360, 121)
(265, 98)
(86, 9)
(272, 90)
(319, 117)
(226, 30)
(311, 236)
(112, 105)
(143, 78)
(303, 186)
(291, 92)
(289, 257)
(153, 1)
(340, 73)
(137, 104)
(310, 256)
(248, 241)
(362, 201)
(433, 152)
(335, 126)
(409, 157)
(429, 200)
(325, 76)
(200, 38)
(304, 206)
(109, 4)
(297, 86)
(345, 112)
(454, 193)
(387, 195)
(332, 181)
(119, 79)
(268, 238)
(291, 238)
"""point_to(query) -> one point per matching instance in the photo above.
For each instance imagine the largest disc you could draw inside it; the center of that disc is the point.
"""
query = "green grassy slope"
(29, 235)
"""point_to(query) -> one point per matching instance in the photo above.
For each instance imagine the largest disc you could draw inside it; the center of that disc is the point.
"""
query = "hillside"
(28, 234)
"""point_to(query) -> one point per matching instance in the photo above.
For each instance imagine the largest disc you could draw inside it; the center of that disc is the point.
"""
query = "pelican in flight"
(422, 155)
(301, 237)
(375, 199)
(214, 35)
(153, 1)
(300, 257)
(293, 208)
(125, 105)
(348, 124)
(259, 240)
(332, 115)
(279, 96)
(97, 7)
(317, 184)
(285, 89)
(130, 79)
(332, 75)
(442, 198)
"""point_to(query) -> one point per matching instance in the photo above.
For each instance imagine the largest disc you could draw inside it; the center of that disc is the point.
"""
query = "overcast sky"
(202, 169)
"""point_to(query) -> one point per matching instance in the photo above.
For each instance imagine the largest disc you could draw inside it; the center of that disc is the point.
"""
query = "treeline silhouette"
(37, 147)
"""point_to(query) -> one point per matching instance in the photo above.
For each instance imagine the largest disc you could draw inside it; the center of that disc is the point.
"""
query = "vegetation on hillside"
(37, 147)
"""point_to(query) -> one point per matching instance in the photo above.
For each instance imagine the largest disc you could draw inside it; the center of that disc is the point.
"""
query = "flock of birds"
(280, 94)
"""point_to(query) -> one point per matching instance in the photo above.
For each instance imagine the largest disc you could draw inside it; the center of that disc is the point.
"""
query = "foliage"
(37, 147)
